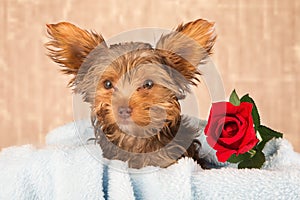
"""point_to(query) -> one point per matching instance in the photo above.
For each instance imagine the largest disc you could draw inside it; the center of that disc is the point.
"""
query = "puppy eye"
(148, 84)
(108, 84)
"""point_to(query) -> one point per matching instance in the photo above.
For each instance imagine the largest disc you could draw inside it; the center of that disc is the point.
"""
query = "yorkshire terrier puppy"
(134, 89)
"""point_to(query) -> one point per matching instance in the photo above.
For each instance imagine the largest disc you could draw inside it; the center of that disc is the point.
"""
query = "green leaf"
(267, 134)
(234, 98)
(255, 114)
(239, 158)
(260, 146)
(254, 162)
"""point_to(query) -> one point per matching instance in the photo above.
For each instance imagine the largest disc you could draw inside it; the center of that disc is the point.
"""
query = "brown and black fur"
(157, 133)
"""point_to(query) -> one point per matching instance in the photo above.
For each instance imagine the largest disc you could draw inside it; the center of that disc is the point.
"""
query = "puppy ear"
(188, 46)
(70, 45)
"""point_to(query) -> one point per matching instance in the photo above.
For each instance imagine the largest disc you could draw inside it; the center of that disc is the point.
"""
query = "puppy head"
(132, 87)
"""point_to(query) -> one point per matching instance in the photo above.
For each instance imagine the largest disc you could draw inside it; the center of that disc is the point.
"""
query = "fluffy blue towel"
(69, 169)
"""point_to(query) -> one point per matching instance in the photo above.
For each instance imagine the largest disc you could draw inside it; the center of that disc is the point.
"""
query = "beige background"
(257, 51)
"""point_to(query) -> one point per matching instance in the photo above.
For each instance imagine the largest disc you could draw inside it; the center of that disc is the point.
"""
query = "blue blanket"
(68, 168)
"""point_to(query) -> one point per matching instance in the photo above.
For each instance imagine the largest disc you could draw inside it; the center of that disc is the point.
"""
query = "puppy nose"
(124, 112)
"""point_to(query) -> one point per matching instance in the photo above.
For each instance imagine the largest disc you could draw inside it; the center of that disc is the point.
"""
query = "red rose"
(230, 129)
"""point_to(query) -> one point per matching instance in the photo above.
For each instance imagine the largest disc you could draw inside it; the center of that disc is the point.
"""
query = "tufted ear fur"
(70, 45)
(186, 47)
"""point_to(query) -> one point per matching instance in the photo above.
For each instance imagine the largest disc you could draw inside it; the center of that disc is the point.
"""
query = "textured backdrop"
(257, 51)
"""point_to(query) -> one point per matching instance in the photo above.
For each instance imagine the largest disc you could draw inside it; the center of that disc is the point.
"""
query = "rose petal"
(212, 124)
(218, 109)
(210, 132)
(208, 125)
(230, 120)
(238, 136)
(232, 109)
(250, 137)
(219, 146)
(219, 128)
(248, 146)
(223, 156)
(245, 109)
(230, 129)
(211, 141)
